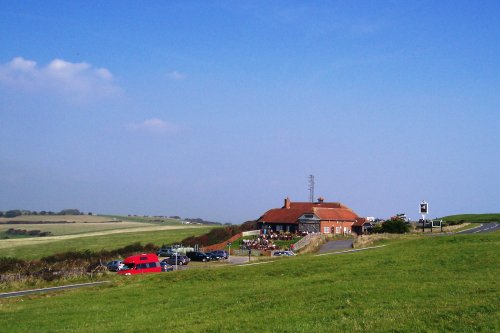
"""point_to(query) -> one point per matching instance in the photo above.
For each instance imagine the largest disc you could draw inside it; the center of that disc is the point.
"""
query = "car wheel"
(180, 263)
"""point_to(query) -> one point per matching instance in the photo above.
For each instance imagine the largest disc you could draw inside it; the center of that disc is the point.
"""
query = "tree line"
(19, 212)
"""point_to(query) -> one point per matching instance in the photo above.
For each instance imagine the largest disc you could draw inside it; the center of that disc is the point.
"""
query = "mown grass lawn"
(433, 284)
(33, 250)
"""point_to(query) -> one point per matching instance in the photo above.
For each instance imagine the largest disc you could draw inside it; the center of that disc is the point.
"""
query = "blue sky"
(220, 109)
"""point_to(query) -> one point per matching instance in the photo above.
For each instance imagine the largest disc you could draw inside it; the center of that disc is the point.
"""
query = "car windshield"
(128, 266)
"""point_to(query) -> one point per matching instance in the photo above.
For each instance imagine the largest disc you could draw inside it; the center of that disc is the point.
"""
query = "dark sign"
(424, 208)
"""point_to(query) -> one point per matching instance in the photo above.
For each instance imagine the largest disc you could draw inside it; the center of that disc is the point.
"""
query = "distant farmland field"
(59, 218)
(58, 229)
(37, 247)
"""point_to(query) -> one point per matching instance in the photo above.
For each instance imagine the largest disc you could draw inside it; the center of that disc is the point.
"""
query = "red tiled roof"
(335, 214)
(282, 215)
(359, 221)
(332, 211)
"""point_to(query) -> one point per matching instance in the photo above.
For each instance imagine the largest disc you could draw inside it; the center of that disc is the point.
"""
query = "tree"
(13, 213)
(395, 226)
(69, 212)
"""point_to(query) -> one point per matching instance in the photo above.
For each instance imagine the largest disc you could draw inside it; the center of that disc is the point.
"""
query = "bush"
(395, 226)
(13, 213)
(8, 264)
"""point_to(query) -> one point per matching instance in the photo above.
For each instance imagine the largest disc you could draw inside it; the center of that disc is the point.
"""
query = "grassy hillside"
(33, 248)
(428, 284)
(473, 218)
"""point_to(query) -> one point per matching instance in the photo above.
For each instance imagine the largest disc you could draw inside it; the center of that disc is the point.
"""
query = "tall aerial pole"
(311, 188)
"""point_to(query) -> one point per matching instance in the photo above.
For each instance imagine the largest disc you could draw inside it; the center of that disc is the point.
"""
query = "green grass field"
(143, 219)
(473, 218)
(80, 223)
(438, 284)
(35, 248)
(59, 229)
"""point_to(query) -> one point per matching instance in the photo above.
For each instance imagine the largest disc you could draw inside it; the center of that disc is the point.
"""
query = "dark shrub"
(395, 226)
(9, 264)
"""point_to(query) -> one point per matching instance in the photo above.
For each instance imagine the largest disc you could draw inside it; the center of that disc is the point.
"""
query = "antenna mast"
(311, 188)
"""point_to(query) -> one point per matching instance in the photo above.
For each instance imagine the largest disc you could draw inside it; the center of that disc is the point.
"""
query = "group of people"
(265, 242)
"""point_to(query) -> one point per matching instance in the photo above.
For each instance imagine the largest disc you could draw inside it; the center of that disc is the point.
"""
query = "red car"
(141, 264)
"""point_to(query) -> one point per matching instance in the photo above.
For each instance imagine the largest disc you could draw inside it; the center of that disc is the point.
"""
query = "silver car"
(115, 265)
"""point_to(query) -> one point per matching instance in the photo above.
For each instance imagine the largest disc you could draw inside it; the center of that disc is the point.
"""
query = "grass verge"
(426, 284)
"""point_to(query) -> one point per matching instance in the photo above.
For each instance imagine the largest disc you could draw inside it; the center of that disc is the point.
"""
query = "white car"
(284, 253)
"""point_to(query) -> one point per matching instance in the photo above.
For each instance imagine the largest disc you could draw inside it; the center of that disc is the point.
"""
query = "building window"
(326, 230)
(337, 230)
(308, 216)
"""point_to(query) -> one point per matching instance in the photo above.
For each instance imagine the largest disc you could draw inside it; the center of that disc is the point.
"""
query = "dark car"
(221, 253)
(198, 256)
(177, 260)
(214, 256)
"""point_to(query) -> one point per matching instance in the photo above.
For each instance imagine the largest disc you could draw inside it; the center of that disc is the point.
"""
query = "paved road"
(347, 244)
(43, 290)
(336, 245)
(483, 227)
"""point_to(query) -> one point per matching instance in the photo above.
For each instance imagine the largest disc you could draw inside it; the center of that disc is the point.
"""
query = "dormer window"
(308, 216)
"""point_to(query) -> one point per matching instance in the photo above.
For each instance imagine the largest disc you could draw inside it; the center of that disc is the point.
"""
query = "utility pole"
(311, 188)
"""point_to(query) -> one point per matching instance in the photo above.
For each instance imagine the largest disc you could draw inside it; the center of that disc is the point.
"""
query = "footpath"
(336, 245)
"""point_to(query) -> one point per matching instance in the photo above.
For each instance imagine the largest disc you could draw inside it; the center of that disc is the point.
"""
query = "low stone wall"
(304, 241)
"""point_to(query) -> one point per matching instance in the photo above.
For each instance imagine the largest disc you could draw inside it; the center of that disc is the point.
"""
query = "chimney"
(321, 199)
(287, 203)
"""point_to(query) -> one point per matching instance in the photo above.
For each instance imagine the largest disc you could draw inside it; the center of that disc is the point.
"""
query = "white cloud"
(175, 75)
(76, 82)
(155, 126)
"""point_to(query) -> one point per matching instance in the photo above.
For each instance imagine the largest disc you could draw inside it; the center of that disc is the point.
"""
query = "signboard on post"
(436, 223)
(424, 208)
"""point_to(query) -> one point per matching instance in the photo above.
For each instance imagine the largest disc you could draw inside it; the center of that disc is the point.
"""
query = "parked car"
(165, 253)
(283, 253)
(221, 253)
(141, 264)
(177, 260)
(166, 267)
(214, 256)
(198, 256)
(115, 265)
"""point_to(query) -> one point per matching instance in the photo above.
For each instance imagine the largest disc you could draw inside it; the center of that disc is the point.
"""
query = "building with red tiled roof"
(320, 216)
